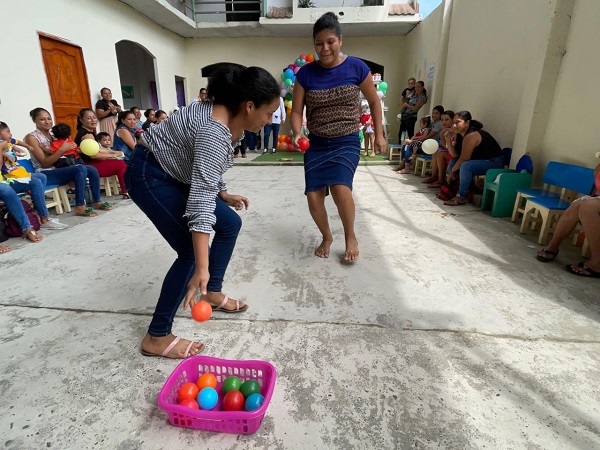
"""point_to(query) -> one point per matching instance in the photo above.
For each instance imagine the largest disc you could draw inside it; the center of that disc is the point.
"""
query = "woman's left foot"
(5, 248)
(351, 254)
(221, 302)
(104, 206)
(583, 270)
(456, 201)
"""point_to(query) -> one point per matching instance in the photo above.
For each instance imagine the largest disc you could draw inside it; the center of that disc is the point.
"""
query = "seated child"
(10, 166)
(411, 148)
(105, 142)
(62, 133)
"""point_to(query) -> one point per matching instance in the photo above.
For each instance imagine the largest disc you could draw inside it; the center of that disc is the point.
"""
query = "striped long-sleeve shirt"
(194, 149)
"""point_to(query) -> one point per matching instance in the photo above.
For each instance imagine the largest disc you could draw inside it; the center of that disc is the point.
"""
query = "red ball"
(188, 403)
(187, 391)
(201, 311)
(290, 147)
(303, 144)
(288, 139)
(233, 401)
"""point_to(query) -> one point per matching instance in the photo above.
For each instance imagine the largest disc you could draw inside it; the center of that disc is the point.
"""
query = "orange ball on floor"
(201, 311)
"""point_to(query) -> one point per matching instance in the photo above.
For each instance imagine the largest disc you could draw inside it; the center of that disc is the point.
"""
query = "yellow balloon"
(89, 147)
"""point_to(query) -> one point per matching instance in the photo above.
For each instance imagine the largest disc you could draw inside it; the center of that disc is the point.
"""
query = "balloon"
(291, 66)
(300, 62)
(283, 92)
(296, 69)
(303, 56)
(287, 103)
(430, 146)
(361, 136)
(289, 73)
(201, 311)
(383, 86)
(283, 76)
(380, 94)
(290, 147)
(288, 82)
(89, 147)
(288, 139)
(288, 111)
(288, 96)
(310, 57)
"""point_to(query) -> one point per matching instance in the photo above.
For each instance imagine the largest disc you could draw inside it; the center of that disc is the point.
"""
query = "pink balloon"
(291, 66)
(296, 69)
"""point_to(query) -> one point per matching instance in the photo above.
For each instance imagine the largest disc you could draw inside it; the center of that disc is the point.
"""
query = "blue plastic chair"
(56, 192)
(423, 164)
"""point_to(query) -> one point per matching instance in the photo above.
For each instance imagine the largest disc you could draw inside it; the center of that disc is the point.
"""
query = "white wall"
(95, 26)
(571, 135)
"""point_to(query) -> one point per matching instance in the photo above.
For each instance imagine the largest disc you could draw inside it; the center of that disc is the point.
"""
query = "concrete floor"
(446, 334)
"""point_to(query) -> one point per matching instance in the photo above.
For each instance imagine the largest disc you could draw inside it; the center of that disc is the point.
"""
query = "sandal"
(437, 184)
(429, 180)
(105, 206)
(230, 311)
(126, 197)
(88, 212)
(31, 235)
(166, 351)
(5, 248)
(405, 170)
(546, 255)
(455, 202)
(582, 270)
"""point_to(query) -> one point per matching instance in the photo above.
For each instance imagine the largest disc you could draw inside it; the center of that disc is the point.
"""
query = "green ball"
(231, 384)
(250, 387)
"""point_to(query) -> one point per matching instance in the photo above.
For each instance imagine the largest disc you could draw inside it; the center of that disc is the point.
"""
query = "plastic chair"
(392, 148)
(110, 184)
(423, 164)
(500, 190)
(52, 191)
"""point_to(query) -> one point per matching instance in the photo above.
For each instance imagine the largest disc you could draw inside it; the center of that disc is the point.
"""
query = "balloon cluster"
(382, 89)
(288, 78)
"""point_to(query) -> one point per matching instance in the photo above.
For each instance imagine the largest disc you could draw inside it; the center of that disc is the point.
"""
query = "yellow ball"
(89, 147)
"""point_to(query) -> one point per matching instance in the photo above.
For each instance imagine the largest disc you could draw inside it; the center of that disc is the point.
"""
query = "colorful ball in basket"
(188, 403)
(232, 384)
(208, 398)
(201, 311)
(187, 391)
(254, 401)
(234, 401)
(207, 380)
(250, 387)
(89, 147)
(430, 146)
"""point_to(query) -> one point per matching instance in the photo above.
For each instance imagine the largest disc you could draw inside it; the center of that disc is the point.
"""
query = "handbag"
(69, 160)
(12, 227)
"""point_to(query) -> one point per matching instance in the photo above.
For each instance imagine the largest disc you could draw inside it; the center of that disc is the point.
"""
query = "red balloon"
(303, 144)
(201, 311)
(233, 401)
(290, 147)
(188, 403)
(303, 56)
(187, 391)
(288, 139)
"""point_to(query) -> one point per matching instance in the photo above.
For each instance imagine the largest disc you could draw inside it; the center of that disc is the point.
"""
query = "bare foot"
(351, 254)
(322, 250)
(84, 211)
(155, 346)
(216, 298)
(5, 248)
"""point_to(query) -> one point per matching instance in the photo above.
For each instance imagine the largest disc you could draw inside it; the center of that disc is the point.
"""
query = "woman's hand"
(299, 136)
(67, 146)
(199, 281)
(238, 202)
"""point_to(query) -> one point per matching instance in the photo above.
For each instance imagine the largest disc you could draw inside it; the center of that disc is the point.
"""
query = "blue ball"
(208, 398)
(254, 401)
(289, 73)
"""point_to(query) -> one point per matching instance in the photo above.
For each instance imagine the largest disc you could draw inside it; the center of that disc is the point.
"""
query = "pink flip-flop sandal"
(166, 351)
(230, 311)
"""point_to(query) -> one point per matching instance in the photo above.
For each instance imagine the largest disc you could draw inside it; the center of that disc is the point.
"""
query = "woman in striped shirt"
(175, 177)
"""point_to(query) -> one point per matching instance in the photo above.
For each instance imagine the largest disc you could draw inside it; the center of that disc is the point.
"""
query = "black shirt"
(78, 138)
(488, 148)
(103, 105)
(408, 91)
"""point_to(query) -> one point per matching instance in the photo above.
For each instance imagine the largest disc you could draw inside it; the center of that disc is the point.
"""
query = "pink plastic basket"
(238, 422)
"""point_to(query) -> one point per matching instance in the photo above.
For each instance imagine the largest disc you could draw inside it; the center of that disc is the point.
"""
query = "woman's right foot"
(156, 346)
(32, 236)
(5, 248)
(351, 254)
(84, 211)
(322, 250)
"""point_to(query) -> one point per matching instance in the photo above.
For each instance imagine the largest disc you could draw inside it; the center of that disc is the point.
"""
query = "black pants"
(407, 125)
(241, 148)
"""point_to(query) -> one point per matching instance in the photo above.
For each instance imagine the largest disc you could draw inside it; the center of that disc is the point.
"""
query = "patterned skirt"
(108, 125)
(331, 161)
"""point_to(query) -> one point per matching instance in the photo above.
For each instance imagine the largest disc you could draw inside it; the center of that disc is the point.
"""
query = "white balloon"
(380, 94)
(430, 146)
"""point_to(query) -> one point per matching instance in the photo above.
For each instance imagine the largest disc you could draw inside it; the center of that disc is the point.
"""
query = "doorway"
(67, 79)
(180, 91)
(137, 75)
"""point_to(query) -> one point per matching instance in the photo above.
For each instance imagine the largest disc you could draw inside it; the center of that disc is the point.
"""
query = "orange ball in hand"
(201, 311)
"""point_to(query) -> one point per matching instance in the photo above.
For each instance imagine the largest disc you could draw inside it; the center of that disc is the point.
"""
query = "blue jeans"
(250, 139)
(163, 199)
(13, 203)
(474, 167)
(271, 128)
(407, 151)
(77, 174)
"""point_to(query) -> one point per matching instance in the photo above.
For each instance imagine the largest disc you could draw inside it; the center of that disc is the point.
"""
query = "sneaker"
(265, 151)
(54, 224)
(273, 151)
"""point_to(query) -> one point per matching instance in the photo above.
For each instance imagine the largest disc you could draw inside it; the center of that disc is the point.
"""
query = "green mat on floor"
(299, 157)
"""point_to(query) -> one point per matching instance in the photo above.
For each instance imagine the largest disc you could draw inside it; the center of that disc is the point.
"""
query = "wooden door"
(67, 79)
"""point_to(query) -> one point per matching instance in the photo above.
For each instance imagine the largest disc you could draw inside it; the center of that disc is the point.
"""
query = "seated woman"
(150, 115)
(105, 161)
(585, 210)
(43, 160)
(160, 115)
(411, 147)
(106, 110)
(476, 152)
(439, 162)
(124, 139)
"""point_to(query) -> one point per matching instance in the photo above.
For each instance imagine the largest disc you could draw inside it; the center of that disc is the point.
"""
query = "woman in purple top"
(330, 89)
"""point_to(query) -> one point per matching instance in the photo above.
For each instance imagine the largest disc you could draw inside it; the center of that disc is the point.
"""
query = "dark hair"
(101, 136)
(61, 131)
(439, 108)
(466, 116)
(202, 89)
(147, 112)
(232, 84)
(158, 113)
(412, 79)
(35, 112)
(133, 108)
(123, 115)
(3, 126)
(104, 89)
(427, 120)
(328, 21)
(449, 113)
(422, 83)
(82, 112)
